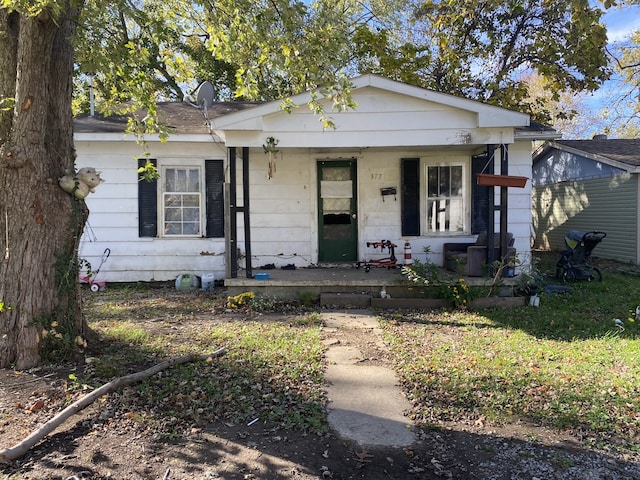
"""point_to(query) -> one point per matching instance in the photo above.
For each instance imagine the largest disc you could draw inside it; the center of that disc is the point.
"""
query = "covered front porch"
(401, 167)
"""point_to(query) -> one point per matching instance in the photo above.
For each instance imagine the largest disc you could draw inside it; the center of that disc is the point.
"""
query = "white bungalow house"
(244, 185)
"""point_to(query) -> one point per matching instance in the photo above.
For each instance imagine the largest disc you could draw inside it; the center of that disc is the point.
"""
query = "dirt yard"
(101, 443)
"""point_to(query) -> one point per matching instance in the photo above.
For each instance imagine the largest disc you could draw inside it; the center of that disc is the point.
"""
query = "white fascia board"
(372, 139)
(243, 120)
(533, 136)
(121, 137)
(251, 118)
(491, 116)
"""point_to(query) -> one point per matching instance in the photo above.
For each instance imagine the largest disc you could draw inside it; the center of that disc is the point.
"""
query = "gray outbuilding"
(588, 185)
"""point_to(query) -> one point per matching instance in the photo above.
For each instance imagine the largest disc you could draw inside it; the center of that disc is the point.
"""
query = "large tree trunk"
(40, 224)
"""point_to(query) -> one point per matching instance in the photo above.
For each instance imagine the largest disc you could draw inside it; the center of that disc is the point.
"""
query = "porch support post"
(234, 209)
(502, 209)
(232, 232)
(245, 209)
(504, 200)
(491, 152)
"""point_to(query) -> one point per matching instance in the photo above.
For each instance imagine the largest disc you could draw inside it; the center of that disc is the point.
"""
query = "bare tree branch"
(25, 445)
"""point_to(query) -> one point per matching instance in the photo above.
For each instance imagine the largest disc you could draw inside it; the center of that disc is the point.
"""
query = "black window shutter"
(214, 181)
(480, 208)
(147, 204)
(410, 197)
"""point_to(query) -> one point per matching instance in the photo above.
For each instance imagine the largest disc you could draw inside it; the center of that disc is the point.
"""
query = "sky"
(620, 24)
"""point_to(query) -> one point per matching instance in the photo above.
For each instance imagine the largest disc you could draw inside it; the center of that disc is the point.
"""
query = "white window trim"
(167, 164)
(463, 162)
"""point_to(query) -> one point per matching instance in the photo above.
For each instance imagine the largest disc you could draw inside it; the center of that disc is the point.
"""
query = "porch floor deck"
(338, 279)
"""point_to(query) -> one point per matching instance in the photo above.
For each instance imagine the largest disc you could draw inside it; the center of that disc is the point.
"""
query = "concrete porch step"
(365, 301)
(346, 299)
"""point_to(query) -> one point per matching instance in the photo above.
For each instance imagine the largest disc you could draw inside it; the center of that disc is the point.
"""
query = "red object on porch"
(408, 259)
(389, 262)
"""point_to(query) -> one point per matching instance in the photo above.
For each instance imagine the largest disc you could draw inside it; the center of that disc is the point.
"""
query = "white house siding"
(385, 127)
(519, 202)
(392, 121)
(113, 218)
(282, 210)
(604, 204)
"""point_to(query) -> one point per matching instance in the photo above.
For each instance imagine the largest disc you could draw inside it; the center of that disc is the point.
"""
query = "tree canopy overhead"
(484, 49)
(628, 117)
(270, 49)
(248, 50)
(621, 117)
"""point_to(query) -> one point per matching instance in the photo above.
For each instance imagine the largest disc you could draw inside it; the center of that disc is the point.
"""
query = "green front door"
(337, 211)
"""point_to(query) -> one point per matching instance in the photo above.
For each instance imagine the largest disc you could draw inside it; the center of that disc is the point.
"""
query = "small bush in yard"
(240, 300)
(458, 292)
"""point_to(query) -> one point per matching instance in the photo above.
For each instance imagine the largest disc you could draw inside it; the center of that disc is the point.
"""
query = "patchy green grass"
(272, 369)
(126, 332)
(126, 303)
(271, 372)
(565, 364)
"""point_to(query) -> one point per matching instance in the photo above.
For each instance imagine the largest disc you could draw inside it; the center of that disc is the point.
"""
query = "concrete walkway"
(366, 403)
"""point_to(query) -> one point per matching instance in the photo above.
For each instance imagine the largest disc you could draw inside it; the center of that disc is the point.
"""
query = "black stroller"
(573, 263)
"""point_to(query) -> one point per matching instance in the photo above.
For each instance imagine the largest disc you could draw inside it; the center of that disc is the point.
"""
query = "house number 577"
(376, 176)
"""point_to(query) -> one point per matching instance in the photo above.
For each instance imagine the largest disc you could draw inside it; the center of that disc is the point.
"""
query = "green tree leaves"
(624, 113)
(482, 47)
(271, 49)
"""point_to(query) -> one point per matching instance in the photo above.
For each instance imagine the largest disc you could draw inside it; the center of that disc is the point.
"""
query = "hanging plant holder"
(271, 150)
(272, 165)
(490, 180)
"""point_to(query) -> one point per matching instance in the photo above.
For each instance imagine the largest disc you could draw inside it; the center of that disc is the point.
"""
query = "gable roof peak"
(487, 115)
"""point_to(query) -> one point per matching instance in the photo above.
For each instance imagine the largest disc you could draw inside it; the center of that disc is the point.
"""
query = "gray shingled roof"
(621, 150)
(180, 117)
(537, 131)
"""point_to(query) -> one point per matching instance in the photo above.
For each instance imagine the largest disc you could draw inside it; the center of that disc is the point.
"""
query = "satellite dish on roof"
(202, 96)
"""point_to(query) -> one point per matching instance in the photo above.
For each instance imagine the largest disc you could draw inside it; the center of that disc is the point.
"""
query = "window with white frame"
(181, 201)
(445, 198)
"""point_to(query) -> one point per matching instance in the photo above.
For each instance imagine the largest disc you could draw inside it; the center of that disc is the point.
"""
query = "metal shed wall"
(605, 204)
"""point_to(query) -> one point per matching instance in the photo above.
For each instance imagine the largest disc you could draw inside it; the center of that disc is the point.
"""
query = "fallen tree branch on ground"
(23, 447)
